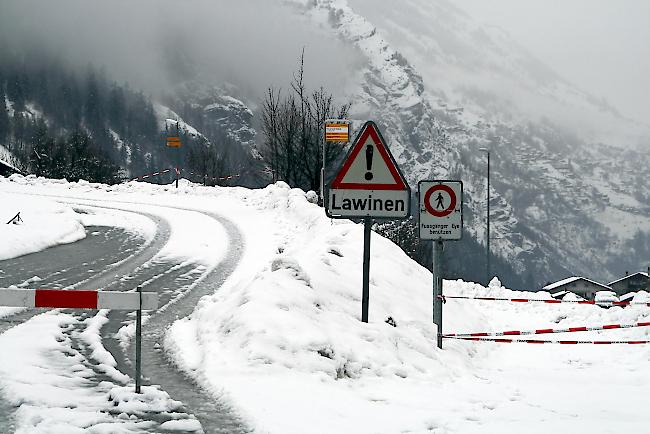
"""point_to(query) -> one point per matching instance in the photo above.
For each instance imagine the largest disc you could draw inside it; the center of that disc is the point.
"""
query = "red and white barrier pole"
(546, 331)
(77, 299)
(87, 299)
(536, 341)
(548, 301)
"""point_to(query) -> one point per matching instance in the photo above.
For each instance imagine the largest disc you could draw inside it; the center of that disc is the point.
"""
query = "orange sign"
(174, 142)
(337, 132)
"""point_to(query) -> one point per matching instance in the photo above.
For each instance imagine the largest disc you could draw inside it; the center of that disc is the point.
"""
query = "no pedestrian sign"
(369, 183)
(441, 210)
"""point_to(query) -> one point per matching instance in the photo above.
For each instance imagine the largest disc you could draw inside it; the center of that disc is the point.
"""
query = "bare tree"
(209, 162)
(293, 128)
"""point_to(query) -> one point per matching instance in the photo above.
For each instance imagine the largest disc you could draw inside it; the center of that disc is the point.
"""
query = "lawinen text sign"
(441, 210)
(368, 183)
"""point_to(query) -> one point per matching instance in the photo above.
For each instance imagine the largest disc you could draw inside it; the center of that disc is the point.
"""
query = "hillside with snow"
(569, 173)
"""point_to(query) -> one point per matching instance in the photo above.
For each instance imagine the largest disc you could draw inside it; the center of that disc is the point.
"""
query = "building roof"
(628, 276)
(568, 280)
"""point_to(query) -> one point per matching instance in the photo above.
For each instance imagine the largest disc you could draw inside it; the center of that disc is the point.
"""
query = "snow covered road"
(121, 263)
(275, 342)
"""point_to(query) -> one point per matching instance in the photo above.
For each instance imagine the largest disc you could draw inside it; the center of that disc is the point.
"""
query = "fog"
(153, 44)
(600, 45)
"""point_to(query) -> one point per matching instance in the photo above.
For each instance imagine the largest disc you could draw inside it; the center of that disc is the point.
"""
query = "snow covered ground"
(283, 343)
(45, 223)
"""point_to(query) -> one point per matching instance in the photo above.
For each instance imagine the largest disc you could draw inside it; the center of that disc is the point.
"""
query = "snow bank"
(45, 223)
(293, 316)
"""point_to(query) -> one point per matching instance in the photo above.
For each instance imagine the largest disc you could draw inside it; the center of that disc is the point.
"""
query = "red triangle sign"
(369, 165)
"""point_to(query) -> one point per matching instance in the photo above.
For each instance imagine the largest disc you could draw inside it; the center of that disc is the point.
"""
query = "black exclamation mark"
(369, 152)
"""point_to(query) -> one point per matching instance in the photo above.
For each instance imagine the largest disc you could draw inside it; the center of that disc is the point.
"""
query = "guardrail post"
(138, 344)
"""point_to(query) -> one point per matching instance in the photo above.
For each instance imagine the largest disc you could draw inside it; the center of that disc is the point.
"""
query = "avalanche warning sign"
(368, 183)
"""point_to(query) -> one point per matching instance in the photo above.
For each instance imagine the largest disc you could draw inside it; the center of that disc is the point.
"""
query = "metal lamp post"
(487, 237)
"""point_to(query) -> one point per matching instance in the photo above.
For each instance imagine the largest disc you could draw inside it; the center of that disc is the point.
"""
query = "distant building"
(630, 283)
(585, 288)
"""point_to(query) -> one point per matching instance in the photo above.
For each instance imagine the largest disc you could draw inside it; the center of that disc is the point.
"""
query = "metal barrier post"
(138, 345)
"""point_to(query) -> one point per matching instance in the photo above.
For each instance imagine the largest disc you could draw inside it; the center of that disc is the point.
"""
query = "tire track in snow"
(215, 415)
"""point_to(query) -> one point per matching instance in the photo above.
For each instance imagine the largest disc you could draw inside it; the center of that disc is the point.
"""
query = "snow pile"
(45, 223)
(296, 312)
(283, 338)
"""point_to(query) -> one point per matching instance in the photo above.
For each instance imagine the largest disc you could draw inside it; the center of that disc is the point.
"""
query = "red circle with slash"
(445, 212)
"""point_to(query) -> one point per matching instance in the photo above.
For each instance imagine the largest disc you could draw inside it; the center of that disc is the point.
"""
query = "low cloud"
(153, 44)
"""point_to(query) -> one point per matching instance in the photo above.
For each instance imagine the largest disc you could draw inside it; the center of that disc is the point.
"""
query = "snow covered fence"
(140, 178)
(178, 172)
(211, 178)
(497, 337)
(78, 299)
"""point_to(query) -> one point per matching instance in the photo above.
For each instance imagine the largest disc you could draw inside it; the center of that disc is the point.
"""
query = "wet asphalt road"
(112, 259)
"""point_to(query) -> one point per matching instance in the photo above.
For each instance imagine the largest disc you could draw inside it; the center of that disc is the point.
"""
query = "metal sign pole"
(322, 169)
(437, 288)
(367, 224)
(178, 163)
(178, 155)
(138, 345)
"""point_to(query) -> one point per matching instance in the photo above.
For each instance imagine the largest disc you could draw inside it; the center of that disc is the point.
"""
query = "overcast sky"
(603, 46)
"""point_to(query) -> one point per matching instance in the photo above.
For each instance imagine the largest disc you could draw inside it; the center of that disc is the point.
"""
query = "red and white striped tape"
(153, 174)
(536, 341)
(78, 299)
(549, 301)
(546, 331)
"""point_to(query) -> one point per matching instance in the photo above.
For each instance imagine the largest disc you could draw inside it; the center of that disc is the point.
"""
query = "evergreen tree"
(117, 109)
(5, 127)
(42, 146)
(93, 102)
(16, 92)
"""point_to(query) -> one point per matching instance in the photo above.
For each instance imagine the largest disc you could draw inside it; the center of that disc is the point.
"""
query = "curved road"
(126, 263)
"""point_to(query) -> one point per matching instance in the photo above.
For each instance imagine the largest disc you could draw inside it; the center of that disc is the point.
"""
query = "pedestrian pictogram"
(368, 183)
(441, 216)
(439, 201)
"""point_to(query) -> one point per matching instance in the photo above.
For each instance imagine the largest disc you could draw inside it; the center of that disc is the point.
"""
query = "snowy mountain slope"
(213, 109)
(442, 86)
(486, 72)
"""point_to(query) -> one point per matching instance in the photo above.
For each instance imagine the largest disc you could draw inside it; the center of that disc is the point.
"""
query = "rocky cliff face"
(441, 86)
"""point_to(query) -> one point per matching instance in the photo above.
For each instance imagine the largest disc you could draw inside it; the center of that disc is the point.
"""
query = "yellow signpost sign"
(174, 142)
(337, 132)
